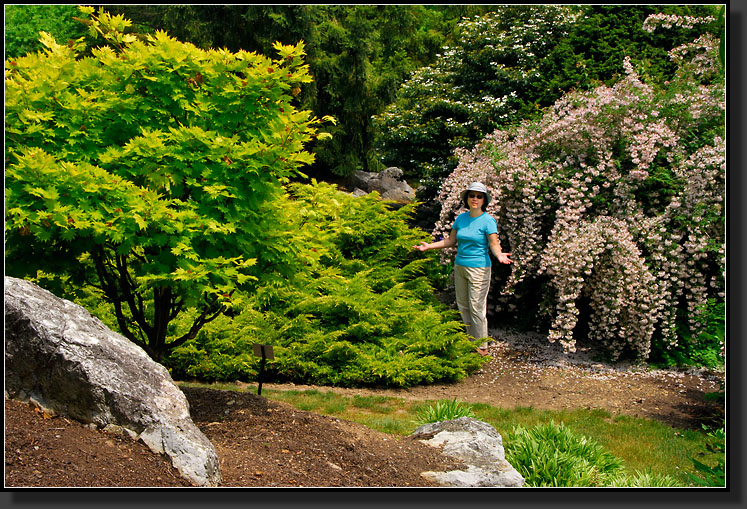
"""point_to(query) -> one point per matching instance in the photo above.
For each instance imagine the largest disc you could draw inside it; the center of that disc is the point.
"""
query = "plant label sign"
(264, 351)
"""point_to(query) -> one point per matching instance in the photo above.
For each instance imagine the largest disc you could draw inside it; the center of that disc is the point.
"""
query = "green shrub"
(712, 476)
(24, 22)
(553, 455)
(702, 350)
(149, 168)
(357, 310)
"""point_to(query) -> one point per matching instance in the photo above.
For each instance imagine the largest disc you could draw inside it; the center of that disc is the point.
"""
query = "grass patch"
(391, 425)
(378, 404)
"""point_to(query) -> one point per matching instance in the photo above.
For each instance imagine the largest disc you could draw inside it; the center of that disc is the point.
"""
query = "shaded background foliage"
(360, 56)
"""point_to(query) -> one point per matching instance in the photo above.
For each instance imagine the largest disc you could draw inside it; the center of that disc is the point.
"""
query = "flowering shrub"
(615, 197)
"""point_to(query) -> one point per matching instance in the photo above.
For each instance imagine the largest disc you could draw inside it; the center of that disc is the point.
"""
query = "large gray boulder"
(478, 445)
(63, 359)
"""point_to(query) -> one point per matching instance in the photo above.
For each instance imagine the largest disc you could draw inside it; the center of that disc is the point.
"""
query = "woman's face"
(475, 199)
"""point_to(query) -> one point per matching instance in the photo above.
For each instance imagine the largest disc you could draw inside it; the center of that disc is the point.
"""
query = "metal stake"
(264, 351)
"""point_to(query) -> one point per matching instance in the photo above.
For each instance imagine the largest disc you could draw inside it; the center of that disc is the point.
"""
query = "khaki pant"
(471, 285)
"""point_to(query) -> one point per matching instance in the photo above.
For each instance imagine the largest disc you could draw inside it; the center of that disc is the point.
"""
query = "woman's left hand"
(495, 247)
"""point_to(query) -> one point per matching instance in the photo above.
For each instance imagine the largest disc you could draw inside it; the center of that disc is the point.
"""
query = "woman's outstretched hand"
(504, 258)
(421, 247)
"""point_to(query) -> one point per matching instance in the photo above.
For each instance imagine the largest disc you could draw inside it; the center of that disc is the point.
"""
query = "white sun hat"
(480, 188)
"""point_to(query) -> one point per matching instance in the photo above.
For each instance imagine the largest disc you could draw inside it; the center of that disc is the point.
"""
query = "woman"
(473, 233)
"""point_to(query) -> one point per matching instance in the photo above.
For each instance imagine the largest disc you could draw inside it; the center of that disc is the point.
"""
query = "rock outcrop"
(61, 358)
(387, 183)
(476, 443)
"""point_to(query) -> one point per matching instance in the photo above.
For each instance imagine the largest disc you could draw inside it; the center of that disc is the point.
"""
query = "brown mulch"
(267, 443)
(56, 451)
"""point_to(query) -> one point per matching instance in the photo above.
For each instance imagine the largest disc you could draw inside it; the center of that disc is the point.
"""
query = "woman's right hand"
(422, 247)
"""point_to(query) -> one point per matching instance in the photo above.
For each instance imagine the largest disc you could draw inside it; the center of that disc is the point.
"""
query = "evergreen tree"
(24, 22)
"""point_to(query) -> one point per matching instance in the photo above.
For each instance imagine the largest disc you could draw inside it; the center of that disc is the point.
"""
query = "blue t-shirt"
(472, 239)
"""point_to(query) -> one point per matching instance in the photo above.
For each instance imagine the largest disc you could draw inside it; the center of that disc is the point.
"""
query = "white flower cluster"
(672, 20)
(606, 264)
(609, 199)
